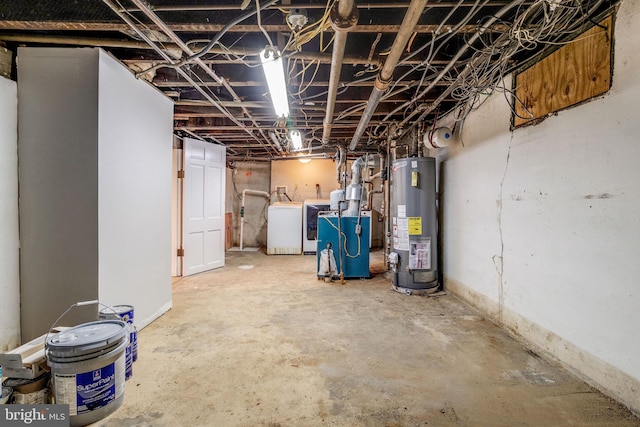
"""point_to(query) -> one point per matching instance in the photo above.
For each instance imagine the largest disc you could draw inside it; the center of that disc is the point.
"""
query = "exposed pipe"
(244, 193)
(387, 198)
(344, 17)
(381, 190)
(340, 251)
(342, 158)
(186, 49)
(386, 73)
(354, 190)
(413, 143)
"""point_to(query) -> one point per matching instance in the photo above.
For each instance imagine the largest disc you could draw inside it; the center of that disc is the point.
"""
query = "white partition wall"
(9, 246)
(95, 180)
(541, 226)
(134, 160)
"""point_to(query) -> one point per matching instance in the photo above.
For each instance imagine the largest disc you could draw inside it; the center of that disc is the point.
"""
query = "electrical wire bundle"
(470, 79)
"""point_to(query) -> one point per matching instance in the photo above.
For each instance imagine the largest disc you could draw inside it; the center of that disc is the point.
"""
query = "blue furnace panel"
(356, 256)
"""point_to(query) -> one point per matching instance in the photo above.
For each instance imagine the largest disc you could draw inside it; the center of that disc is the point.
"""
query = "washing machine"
(284, 228)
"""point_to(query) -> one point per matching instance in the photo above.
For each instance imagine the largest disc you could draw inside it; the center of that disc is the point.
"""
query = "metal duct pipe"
(384, 77)
(413, 143)
(186, 49)
(353, 193)
(344, 17)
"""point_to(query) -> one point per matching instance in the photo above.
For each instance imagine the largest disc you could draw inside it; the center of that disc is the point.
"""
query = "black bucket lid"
(86, 338)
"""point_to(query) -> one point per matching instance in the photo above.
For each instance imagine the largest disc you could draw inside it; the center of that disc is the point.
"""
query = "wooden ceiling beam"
(214, 28)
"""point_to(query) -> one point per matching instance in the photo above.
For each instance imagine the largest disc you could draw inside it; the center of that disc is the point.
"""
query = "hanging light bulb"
(274, 73)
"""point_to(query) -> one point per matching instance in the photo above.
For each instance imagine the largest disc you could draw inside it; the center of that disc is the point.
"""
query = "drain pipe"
(244, 194)
(387, 197)
(386, 74)
(344, 17)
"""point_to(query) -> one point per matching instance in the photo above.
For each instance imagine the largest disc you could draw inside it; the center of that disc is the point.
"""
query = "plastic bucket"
(29, 391)
(125, 313)
(118, 312)
(88, 369)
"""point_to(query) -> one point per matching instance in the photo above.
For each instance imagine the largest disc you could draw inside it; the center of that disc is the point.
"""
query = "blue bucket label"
(133, 339)
(96, 388)
(88, 391)
(128, 363)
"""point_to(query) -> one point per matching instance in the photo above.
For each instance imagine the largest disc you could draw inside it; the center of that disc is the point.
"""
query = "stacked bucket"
(88, 369)
(125, 313)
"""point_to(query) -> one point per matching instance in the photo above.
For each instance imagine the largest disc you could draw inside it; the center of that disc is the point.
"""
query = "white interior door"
(204, 186)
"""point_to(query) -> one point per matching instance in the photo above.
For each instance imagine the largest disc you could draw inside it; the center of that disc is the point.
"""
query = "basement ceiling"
(395, 75)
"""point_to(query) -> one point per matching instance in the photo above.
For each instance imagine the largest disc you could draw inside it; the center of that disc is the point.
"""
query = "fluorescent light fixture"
(274, 73)
(275, 140)
(296, 139)
(304, 160)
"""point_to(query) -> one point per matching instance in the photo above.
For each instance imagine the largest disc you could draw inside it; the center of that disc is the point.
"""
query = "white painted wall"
(541, 225)
(134, 187)
(95, 148)
(9, 244)
(301, 178)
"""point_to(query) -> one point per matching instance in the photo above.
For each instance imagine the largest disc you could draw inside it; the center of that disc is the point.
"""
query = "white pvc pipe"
(244, 193)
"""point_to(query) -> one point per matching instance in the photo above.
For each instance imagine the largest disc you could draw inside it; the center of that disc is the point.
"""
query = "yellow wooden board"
(415, 226)
(576, 72)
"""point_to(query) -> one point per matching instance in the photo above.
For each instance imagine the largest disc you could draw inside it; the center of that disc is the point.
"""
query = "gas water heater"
(414, 257)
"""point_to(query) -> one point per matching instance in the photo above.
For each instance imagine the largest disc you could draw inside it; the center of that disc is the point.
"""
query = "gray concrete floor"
(262, 342)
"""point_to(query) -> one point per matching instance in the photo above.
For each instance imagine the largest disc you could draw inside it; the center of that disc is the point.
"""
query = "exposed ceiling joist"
(456, 53)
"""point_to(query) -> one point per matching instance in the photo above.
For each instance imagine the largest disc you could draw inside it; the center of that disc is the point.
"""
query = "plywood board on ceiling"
(572, 74)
